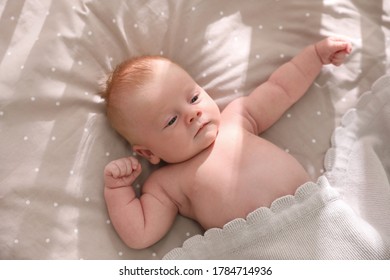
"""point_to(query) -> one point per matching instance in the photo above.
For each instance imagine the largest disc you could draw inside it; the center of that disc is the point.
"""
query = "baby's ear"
(146, 153)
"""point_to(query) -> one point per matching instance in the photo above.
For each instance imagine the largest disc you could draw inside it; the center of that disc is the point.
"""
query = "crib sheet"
(54, 136)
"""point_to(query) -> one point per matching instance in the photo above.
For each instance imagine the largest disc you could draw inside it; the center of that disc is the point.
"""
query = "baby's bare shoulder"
(167, 178)
(236, 114)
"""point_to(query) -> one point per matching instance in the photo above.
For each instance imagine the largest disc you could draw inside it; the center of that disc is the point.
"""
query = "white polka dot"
(154, 254)
(87, 199)
(36, 169)
(193, 8)
(282, 55)
(135, 25)
(280, 27)
(16, 241)
(28, 202)
(138, 186)
(53, 138)
(71, 172)
(108, 222)
(257, 56)
(55, 204)
(188, 234)
(260, 26)
(12, 18)
(313, 141)
(120, 253)
(322, 170)
(307, 14)
(80, 62)
(25, 138)
(85, 129)
(58, 103)
(344, 99)
(47, 240)
(288, 115)
(9, 53)
(86, 93)
(21, 67)
(185, 40)
(319, 113)
(221, 13)
(204, 75)
(107, 154)
(287, 150)
(32, 98)
(209, 42)
(1, 113)
(76, 230)
(53, 69)
(114, 20)
(59, 34)
(89, 33)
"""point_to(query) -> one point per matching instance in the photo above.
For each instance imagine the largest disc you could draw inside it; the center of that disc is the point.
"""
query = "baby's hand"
(121, 172)
(333, 50)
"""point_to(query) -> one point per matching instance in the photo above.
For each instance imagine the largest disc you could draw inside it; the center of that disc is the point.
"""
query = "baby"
(218, 168)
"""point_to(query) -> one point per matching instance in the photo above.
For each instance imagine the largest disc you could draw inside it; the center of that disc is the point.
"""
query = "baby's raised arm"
(288, 83)
(140, 222)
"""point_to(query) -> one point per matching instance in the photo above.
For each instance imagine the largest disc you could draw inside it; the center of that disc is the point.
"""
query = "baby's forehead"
(165, 77)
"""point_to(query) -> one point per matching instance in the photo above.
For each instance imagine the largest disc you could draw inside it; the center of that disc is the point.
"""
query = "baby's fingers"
(338, 58)
(121, 167)
(136, 167)
(122, 172)
(339, 44)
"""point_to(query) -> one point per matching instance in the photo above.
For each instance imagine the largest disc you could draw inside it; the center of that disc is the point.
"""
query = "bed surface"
(54, 136)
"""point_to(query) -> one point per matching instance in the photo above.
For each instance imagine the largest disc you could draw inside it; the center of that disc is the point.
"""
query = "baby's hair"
(132, 73)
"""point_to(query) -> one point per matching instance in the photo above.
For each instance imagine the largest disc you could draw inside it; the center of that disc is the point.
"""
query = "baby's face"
(175, 118)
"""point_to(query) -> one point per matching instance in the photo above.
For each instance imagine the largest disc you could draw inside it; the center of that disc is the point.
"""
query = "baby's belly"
(242, 181)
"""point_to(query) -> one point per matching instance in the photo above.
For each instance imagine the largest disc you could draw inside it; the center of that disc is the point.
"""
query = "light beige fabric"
(55, 139)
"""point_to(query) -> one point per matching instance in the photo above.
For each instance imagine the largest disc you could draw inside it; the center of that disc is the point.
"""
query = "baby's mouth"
(202, 126)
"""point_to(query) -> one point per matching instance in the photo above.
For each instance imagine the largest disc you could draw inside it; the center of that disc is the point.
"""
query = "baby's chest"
(221, 193)
(239, 165)
(229, 169)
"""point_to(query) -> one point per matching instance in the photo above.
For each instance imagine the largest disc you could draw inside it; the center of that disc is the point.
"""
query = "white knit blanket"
(345, 215)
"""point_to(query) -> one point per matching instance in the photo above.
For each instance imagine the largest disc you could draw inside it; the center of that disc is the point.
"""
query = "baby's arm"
(140, 222)
(265, 105)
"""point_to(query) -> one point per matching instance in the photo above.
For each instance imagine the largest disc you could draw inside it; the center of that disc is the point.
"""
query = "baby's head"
(160, 109)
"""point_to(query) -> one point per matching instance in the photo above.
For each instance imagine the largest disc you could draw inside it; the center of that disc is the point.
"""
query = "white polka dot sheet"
(55, 139)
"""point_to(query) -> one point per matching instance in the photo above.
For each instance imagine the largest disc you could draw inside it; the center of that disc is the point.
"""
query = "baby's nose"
(194, 115)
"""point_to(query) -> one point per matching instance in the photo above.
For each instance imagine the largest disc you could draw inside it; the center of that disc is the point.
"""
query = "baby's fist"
(121, 172)
(333, 50)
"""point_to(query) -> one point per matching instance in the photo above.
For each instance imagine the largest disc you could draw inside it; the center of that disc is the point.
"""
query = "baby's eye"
(194, 99)
(172, 121)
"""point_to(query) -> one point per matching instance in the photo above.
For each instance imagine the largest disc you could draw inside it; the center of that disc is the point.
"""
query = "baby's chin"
(182, 157)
